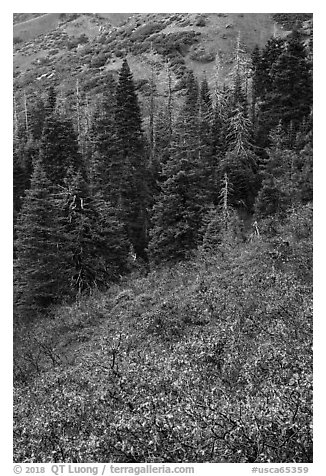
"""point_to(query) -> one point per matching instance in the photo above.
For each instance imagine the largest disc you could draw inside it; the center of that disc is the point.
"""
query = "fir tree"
(291, 91)
(104, 167)
(25, 151)
(222, 225)
(240, 160)
(262, 84)
(178, 213)
(255, 83)
(38, 265)
(59, 148)
(96, 248)
(279, 190)
(37, 118)
(206, 157)
(51, 101)
(218, 138)
(132, 177)
(285, 90)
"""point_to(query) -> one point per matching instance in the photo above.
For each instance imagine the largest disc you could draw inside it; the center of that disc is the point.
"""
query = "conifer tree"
(240, 160)
(51, 101)
(132, 178)
(39, 265)
(206, 158)
(262, 86)
(279, 189)
(59, 148)
(163, 126)
(177, 215)
(104, 168)
(283, 81)
(25, 151)
(256, 81)
(96, 248)
(218, 137)
(222, 225)
(303, 174)
(291, 92)
(37, 118)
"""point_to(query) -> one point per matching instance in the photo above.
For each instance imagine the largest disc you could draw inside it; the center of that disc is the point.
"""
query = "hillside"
(206, 361)
(23, 17)
(33, 27)
(162, 198)
(75, 46)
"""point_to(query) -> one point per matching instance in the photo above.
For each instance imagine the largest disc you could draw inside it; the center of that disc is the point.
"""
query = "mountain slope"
(206, 361)
(41, 25)
(89, 45)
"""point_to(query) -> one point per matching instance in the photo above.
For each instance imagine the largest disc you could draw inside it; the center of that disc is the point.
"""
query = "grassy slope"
(34, 27)
(22, 17)
(116, 19)
(218, 35)
(209, 360)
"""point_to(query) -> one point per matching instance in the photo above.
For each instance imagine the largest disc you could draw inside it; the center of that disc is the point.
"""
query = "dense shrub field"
(206, 361)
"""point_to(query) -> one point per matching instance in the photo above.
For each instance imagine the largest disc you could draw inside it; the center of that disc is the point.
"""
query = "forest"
(163, 267)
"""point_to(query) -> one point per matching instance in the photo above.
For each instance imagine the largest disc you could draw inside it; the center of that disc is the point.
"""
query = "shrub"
(206, 361)
(202, 56)
(54, 51)
(98, 61)
(144, 31)
(82, 39)
(200, 21)
(119, 53)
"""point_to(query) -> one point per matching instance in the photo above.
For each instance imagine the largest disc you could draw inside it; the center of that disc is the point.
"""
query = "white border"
(319, 195)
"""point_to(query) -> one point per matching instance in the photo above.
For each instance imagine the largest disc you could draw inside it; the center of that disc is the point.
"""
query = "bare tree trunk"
(15, 120)
(170, 101)
(26, 112)
(151, 119)
(78, 108)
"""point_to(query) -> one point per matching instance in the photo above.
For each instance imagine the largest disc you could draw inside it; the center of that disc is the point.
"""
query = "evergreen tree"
(59, 148)
(283, 81)
(222, 225)
(25, 151)
(38, 265)
(206, 157)
(37, 118)
(51, 101)
(262, 86)
(291, 91)
(177, 215)
(281, 176)
(96, 248)
(218, 138)
(303, 174)
(132, 177)
(255, 84)
(105, 170)
(240, 160)
(263, 67)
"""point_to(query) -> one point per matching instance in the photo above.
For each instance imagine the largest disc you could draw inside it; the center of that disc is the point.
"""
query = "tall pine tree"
(38, 268)
(177, 215)
(132, 177)
(104, 166)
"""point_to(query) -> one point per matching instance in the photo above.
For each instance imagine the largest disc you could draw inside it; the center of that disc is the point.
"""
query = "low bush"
(200, 21)
(206, 361)
(17, 40)
(202, 56)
